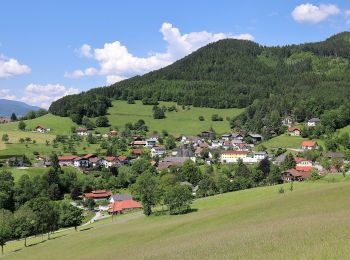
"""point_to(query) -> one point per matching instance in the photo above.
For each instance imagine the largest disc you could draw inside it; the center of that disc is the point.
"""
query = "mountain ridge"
(7, 107)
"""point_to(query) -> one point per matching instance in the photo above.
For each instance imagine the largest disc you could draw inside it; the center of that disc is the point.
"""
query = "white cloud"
(44, 95)
(11, 67)
(347, 13)
(79, 73)
(117, 63)
(309, 13)
(85, 51)
(5, 93)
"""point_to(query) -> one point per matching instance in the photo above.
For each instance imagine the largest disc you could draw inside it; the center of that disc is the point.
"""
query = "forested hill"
(304, 80)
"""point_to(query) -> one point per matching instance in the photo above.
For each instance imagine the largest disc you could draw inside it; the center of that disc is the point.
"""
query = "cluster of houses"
(296, 131)
(92, 161)
(118, 203)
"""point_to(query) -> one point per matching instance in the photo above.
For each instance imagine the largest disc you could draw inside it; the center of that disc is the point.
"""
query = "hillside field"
(310, 222)
(181, 122)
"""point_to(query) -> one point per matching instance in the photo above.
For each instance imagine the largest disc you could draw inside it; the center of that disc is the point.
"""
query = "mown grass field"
(286, 141)
(345, 129)
(58, 125)
(181, 122)
(310, 222)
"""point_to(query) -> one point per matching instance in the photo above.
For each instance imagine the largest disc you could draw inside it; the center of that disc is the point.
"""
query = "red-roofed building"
(138, 143)
(111, 161)
(67, 160)
(123, 159)
(309, 145)
(121, 206)
(295, 175)
(137, 152)
(98, 195)
(41, 129)
(89, 156)
(294, 131)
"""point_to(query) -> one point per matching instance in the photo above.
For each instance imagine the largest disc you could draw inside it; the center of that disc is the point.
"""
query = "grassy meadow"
(181, 122)
(310, 222)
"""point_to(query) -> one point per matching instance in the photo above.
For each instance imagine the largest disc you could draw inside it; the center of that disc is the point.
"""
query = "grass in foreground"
(309, 223)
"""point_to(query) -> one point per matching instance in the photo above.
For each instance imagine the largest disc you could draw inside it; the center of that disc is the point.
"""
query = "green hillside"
(311, 222)
(305, 80)
(185, 121)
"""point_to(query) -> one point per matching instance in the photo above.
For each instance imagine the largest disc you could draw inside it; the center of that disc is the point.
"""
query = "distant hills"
(302, 80)
(7, 107)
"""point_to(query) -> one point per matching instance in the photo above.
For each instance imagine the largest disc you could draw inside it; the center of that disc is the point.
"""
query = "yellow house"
(233, 156)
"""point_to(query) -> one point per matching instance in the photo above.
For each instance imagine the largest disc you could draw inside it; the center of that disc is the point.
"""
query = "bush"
(201, 118)
(281, 190)
(216, 117)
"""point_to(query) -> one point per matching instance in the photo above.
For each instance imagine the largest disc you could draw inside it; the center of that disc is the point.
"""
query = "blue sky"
(49, 49)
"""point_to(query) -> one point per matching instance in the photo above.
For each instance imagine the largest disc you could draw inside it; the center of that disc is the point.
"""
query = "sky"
(49, 49)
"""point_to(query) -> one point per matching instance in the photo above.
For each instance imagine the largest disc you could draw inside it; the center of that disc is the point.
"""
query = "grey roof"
(256, 135)
(175, 159)
(315, 119)
(121, 197)
(262, 153)
(183, 152)
(335, 155)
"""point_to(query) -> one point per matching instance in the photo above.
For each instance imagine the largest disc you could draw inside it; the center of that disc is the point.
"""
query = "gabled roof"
(122, 158)
(96, 194)
(314, 120)
(300, 159)
(81, 130)
(121, 197)
(137, 151)
(309, 143)
(111, 158)
(139, 143)
(122, 205)
(40, 126)
(67, 158)
(292, 129)
(89, 155)
(304, 168)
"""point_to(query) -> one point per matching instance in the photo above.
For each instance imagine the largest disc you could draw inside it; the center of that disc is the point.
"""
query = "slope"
(311, 222)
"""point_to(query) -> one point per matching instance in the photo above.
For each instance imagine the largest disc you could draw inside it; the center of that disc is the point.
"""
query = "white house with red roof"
(122, 206)
(294, 131)
(303, 164)
(41, 129)
(67, 160)
(309, 145)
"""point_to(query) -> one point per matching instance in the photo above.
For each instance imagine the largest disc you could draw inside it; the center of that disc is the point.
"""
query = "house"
(151, 143)
(260, 155)
(294, 175)
(227, 145)
(138, 143)
(98, 195)
(95, 162)
(158, 151)
(313, 122)
(111, 161)
(137, 152)
(113, 133)
(208, 134)
(294, 131)
(120, 197)
(288, 121)
(67, 160)
(337, 155)
(232, 156)
(125, 205)
(309, 145)
(226, 136)
(123, 159)
(216, 144)
(256, 138)
(303, 164)
(237, 136)
(81, 162)
(81, 131)
(184, 153)
(41, 129)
